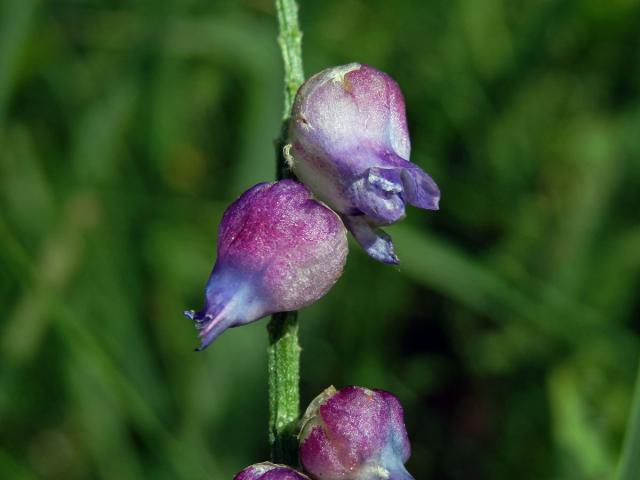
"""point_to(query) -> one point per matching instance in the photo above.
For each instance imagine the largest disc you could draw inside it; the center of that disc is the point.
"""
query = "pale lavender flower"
(269, 471)
(349, 143)
(278, 250)
(355, 434)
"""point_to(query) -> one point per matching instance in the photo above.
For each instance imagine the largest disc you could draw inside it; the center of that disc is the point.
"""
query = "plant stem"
(290, 41)
(284, 395)
(284, 350)
(629, 465)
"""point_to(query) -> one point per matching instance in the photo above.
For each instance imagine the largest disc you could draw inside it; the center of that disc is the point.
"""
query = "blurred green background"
(510, 331)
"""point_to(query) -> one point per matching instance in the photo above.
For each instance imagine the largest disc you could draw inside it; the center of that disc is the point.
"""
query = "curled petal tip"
(420, 189)
(385, 253)
(376, 242)
(210, 328)
(392, 260)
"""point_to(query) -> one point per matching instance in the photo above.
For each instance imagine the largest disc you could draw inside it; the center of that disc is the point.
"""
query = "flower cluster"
(351, 434)
(279, 248)
(282, 245)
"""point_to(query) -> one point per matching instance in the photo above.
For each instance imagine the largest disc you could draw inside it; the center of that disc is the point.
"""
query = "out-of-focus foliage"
(510, 330)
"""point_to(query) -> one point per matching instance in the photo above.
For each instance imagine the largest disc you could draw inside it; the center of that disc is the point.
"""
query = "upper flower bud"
(278, 250)
(349, 143)
(269, 471)
(355, 434)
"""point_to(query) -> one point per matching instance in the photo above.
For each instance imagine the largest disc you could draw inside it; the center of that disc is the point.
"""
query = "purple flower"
(349, 143)
(269, 471)
(355, 434)
(278, 250)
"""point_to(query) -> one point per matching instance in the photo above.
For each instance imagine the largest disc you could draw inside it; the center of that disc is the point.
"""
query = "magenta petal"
(376, 242)
(354, 433)
(355, 417)
(320, 456)
(278, 250)
(269, 471)
(283, 473)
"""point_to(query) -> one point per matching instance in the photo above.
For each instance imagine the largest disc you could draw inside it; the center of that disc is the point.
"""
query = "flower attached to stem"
(355, 434)
(349, 143)
(269, 471)
(278, 250)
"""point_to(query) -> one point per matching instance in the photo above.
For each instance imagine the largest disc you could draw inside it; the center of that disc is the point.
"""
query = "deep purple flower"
(355, 434)
(349, 143)
(278, 250)
(269, 471)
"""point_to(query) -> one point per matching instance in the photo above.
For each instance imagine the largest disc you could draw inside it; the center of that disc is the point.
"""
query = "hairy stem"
(284, 395)
(629, 465)
(284, 350)
(290, 41)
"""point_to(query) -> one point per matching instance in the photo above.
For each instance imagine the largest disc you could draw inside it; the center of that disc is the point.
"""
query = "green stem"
(284, 394)
(284, 350)
(290, 41)
(630, 458)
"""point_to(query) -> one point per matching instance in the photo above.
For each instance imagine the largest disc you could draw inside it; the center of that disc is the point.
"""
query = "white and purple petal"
(349, 143)
(354, 433)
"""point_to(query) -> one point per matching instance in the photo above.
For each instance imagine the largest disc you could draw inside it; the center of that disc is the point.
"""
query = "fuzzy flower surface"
(269, 471)
(278, 250)
(355, 434)
(349, 143)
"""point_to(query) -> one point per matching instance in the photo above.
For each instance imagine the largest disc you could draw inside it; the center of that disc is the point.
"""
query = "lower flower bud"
(355, 434)
(269, 471)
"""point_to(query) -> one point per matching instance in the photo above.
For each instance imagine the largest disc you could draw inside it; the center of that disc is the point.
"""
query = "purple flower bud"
(355, 434)
(278, 250)
(269, 471)
(349, 143)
